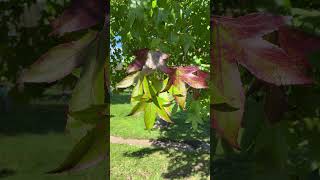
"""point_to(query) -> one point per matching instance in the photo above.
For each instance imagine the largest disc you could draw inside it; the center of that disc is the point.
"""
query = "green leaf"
(162, 113)
(149, 115)
(59, 61)
(91, 150)
(194, 115)
(137, 91)
(140, 106)
(129, 80)
(90, 87)
(179, 91)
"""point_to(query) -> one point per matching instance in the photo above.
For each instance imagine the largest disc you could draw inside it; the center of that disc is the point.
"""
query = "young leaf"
(81, 14)
(140, 106)
(149, 115)
(162, 113)
(179, 92)
(59, 61)
(137, 90)
(194, 114)
(129, 80)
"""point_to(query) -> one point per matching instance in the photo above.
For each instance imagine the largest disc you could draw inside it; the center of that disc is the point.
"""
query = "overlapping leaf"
(148, 61)
(180, 76)
(81, 14)
(288, 38)
(240, 41)
(59, 61)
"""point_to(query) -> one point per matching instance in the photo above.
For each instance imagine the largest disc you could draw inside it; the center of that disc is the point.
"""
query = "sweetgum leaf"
(187, 74)
(242, 37)
(90, 87)
(129, 80)
(59, 61)
(240, 41)
(148, 61)
(82, 14)
(288, 38)
(149, 115)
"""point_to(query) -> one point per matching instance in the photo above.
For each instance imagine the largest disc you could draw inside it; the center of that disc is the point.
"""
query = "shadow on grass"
(182, 164)
(120, 98)
(6, 172)
(33, 119)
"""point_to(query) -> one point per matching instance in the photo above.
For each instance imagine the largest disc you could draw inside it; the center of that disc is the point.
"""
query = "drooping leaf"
(226, 77)
(137, 90)
(129, 80)
(90, 87)
(161, 112)
(139, 107)
(81, 14)
(149, 115)
(91, 150)
(59, 61)
(179, 92)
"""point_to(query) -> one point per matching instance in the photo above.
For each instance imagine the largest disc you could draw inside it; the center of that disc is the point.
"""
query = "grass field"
(32, 142)
(134, 162)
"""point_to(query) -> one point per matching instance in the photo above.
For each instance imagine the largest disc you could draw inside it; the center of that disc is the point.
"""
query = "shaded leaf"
(81, 14)
(59, 61)
(129, 80)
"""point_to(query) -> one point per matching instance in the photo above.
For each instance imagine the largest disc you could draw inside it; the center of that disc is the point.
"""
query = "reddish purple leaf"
(81, 14)
(148, 61)
(239, 40)
(138, 63)
(268, 62)
(298, 44)
(188, 75)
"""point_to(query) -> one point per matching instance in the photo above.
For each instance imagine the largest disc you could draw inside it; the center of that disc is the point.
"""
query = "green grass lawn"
(32, 142)
(134, 162)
